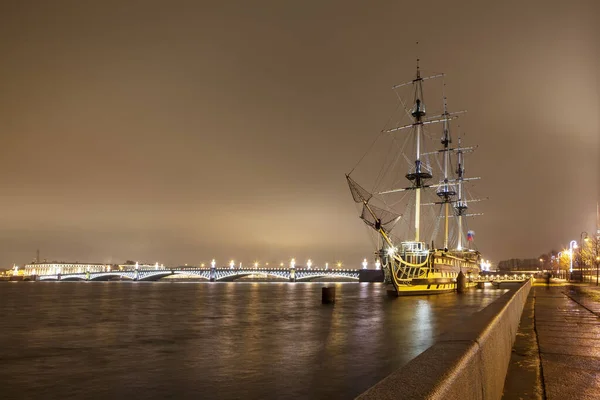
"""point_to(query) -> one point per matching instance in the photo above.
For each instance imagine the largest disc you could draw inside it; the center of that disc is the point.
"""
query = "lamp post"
(572, 245)
(583, 239)
(597, 268)
(559, 256)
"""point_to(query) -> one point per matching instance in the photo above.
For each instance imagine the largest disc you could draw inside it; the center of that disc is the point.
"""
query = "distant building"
(54, 267)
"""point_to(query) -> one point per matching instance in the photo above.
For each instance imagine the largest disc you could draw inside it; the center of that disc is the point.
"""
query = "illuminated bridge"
(209, 274)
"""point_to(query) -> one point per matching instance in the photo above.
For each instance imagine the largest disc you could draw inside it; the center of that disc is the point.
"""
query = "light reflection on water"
(212, 340)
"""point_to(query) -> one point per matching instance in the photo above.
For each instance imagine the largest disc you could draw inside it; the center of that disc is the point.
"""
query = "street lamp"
(583, 239)
(572, 245)
(597, 268)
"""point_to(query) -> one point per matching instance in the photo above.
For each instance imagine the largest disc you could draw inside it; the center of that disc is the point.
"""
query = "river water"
(107, 340)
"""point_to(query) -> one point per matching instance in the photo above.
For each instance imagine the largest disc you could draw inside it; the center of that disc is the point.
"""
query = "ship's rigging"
(434, 205)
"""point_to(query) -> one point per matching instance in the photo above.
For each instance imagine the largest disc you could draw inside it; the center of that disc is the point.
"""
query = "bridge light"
(293, 263)
(339, 264)
(309, 263)
(326, 265)
(231, 264)
(365, 263)
(213, 263)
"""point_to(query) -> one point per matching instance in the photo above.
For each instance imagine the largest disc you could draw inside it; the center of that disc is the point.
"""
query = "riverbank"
(557, 351)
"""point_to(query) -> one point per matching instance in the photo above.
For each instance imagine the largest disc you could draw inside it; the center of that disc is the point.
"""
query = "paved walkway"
(557, 351)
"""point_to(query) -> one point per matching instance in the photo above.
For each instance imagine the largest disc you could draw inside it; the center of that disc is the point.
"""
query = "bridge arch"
(105, 276)
(308, 278)
(158, 275)
(72, 278)
(238, 274)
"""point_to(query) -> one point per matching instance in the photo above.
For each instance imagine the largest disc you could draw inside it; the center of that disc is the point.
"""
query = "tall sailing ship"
(401, 216)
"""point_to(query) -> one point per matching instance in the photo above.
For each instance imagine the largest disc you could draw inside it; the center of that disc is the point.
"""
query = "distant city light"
(485, 265)
(231, 264)
(309, 263)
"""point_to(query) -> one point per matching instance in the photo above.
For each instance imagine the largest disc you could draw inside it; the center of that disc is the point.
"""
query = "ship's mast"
(461, 204)
(418, 177)
(445, 190)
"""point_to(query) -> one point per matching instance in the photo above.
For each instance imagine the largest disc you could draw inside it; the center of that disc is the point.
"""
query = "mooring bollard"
(328, 295)
(461, 282)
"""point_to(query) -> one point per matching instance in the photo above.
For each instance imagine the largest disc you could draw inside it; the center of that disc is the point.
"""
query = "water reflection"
(225, 340)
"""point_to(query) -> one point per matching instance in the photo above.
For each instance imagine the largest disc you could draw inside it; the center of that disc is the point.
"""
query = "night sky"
(180, 131)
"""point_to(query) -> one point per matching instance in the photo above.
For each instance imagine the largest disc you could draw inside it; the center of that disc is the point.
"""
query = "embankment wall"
(469, 362)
